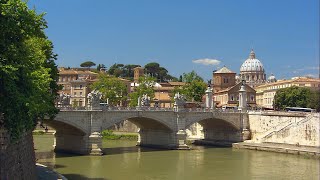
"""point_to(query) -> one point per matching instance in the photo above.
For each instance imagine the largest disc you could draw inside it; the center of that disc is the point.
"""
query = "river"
(123, 160)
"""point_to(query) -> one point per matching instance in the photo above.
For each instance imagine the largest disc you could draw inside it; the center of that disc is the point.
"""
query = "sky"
(186, 35)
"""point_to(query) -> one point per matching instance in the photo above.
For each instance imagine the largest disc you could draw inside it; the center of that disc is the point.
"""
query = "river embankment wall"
(17, 159)
(300, 129)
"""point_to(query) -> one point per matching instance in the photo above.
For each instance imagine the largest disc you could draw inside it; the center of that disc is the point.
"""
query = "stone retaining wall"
(287, 128)
(17, 160)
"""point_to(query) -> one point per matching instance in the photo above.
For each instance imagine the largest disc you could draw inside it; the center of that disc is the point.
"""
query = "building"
(223, 79)
(226, 90)
(266, 92)
(252, 71)
(137, 73)
(75, 83)
(163, 93)
(230, 96)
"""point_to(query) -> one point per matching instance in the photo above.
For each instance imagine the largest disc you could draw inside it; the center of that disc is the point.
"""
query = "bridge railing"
(115, 108)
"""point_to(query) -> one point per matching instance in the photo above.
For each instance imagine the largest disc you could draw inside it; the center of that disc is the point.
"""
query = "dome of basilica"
(272, 78)
(251, 64)
(252, 71)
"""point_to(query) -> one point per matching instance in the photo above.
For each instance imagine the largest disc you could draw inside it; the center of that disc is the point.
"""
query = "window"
(75, 93)
(80, 93)
(80, 86)
(252, 97)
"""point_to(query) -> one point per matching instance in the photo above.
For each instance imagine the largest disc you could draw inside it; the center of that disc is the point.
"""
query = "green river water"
(124, 161)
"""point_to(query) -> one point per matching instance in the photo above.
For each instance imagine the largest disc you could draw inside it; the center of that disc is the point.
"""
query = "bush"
(38, 132)
(108, 134)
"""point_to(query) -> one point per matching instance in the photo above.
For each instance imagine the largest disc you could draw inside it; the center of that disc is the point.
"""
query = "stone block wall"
(151, 137)
(287, 128)
(228, 135)
(17, 160)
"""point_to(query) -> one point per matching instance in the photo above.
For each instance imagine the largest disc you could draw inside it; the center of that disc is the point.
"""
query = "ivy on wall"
(28, 73)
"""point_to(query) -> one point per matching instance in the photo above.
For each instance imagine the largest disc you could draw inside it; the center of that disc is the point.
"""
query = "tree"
(160, 73)
(146, 84)
(116, 70)
(314, 100)
(87, 64)
(295, 96)
(28, 73)
(100, 66)
(191, 76)
(195, 86)
(152, 69)
(112, 88)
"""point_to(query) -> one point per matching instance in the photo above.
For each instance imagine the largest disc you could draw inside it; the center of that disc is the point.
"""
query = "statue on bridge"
(145, 101)
(64, 100)
(179, 102)
(94, 99)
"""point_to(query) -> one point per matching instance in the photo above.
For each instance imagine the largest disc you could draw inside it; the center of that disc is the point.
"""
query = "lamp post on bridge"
(242, 97)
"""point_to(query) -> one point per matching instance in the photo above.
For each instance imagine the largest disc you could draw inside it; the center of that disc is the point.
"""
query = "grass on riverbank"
(110, 135)
(38, 133)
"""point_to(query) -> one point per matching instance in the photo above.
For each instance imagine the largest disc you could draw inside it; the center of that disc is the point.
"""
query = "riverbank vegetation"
(297, 97)
(110, 135)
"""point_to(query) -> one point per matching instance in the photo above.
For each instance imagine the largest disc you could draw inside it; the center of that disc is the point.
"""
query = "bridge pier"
(95, 144)
(78, 144)
(162, 139)
(70, 143)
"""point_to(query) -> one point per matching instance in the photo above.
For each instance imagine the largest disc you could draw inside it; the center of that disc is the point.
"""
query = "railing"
(115, 108)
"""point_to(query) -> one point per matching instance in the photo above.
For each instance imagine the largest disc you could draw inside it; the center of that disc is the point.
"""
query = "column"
(209, 98)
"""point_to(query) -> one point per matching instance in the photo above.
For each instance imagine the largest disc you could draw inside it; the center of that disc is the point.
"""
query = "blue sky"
(283, 33)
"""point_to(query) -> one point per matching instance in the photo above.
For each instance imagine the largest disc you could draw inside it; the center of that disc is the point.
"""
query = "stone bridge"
(78, 131)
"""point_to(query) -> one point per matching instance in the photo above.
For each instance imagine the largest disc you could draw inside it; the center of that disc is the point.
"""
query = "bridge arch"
(153, 131)
(218, 131)
(62, 126)
(212, 121)
(141, 121)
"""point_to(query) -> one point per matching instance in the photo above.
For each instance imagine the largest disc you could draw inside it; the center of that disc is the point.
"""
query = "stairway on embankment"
(296, 130)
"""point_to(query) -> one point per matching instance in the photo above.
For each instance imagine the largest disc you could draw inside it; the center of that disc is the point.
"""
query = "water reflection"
(123, 160)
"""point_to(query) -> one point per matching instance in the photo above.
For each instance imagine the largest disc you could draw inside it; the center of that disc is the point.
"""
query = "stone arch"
(66, 127)
(217, 130)
(210, 122)
(145, 122)
(210, 117)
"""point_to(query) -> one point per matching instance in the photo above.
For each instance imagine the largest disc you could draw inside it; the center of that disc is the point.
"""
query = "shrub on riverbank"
(38, 133)
(108, 134)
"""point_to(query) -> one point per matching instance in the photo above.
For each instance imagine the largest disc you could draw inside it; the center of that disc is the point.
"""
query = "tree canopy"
(28, 73)
(146, 84)
(160, 73)
(87, 64)
(195, 87)
(295, 96)
(121, 70)
(112, 88)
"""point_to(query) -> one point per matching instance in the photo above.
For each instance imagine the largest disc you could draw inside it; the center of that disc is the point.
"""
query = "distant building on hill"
(266, 92)
(138, 72)
(75, 83)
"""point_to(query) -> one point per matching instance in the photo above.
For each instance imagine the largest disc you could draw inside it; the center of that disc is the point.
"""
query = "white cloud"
(207, 61)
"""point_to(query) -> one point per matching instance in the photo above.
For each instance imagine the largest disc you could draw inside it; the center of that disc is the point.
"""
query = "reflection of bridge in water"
(79, 131)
